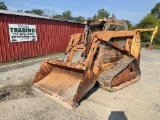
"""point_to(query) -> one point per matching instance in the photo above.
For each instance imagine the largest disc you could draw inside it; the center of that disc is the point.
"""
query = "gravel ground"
(140, 101)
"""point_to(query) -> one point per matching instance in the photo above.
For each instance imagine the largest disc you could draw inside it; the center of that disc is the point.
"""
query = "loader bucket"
(65, 83)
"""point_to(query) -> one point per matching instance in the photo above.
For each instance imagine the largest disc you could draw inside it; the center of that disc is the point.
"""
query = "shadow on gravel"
(15, 92)
(92, 90)
(117, 115)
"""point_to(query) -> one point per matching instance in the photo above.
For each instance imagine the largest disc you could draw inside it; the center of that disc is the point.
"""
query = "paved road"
(140, 101)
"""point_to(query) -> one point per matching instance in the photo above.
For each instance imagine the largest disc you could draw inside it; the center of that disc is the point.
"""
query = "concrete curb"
(23, 64)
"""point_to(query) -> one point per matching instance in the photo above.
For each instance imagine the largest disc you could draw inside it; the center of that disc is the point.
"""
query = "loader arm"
(75, 39)
(121, 71)
(67, 82)
(99, 37)
(153, 34)
(107, 54)
(155, 30)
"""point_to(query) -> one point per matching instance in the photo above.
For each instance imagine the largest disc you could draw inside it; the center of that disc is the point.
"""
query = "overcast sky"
(133, 10)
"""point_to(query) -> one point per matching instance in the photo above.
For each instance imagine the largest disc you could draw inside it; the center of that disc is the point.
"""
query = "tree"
(79, 19)
(38, 12)
(28, 11)
(58, 17)
(89, 18)
(35, 11)
(94, 17)
(3, 6)
(49, 13)
(102, 13)
(157, 39)
(67, 15)
(156, 11)
(130, 26)
(147, 22)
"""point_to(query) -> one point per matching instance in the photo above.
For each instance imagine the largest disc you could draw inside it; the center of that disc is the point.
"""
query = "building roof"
(21, 14)
(7, 12)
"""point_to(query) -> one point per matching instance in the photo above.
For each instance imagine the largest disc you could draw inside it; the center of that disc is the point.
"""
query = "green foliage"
(35, 11)
(38, 11)
(58, 17)
(149, 21)
(79, 19)
(48, 13)
(89, 18)
(101, 13)
(67, 15)
(130, 26)
(157, 44)
(3, 6)
(156, 10)
(94, 17)
(158, 35)
(28, 11)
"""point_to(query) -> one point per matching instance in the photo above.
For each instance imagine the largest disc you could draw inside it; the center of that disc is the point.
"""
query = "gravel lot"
(140, 101)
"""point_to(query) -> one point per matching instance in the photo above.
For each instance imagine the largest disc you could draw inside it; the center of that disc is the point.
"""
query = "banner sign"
(21, 33)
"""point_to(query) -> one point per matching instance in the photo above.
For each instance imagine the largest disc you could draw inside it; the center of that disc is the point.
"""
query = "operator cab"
(105, 24)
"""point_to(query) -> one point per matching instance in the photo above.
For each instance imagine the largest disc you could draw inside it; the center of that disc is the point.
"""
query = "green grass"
(157, 46)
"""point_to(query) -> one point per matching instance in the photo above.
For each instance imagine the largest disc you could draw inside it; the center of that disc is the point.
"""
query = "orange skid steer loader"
(110, 58)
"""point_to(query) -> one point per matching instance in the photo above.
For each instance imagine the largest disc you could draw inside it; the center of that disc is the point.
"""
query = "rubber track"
(107, 76)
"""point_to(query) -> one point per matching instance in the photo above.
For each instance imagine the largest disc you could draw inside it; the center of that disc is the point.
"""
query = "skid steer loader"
(108, 56)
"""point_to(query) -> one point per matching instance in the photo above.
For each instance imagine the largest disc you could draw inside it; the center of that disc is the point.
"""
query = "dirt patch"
(15, 92)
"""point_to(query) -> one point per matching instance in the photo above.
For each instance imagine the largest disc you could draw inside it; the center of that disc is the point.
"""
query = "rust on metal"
(128, 74)
(75, 40)
(87, 82)
(109, 57)
(123, 73)
(151, 47)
